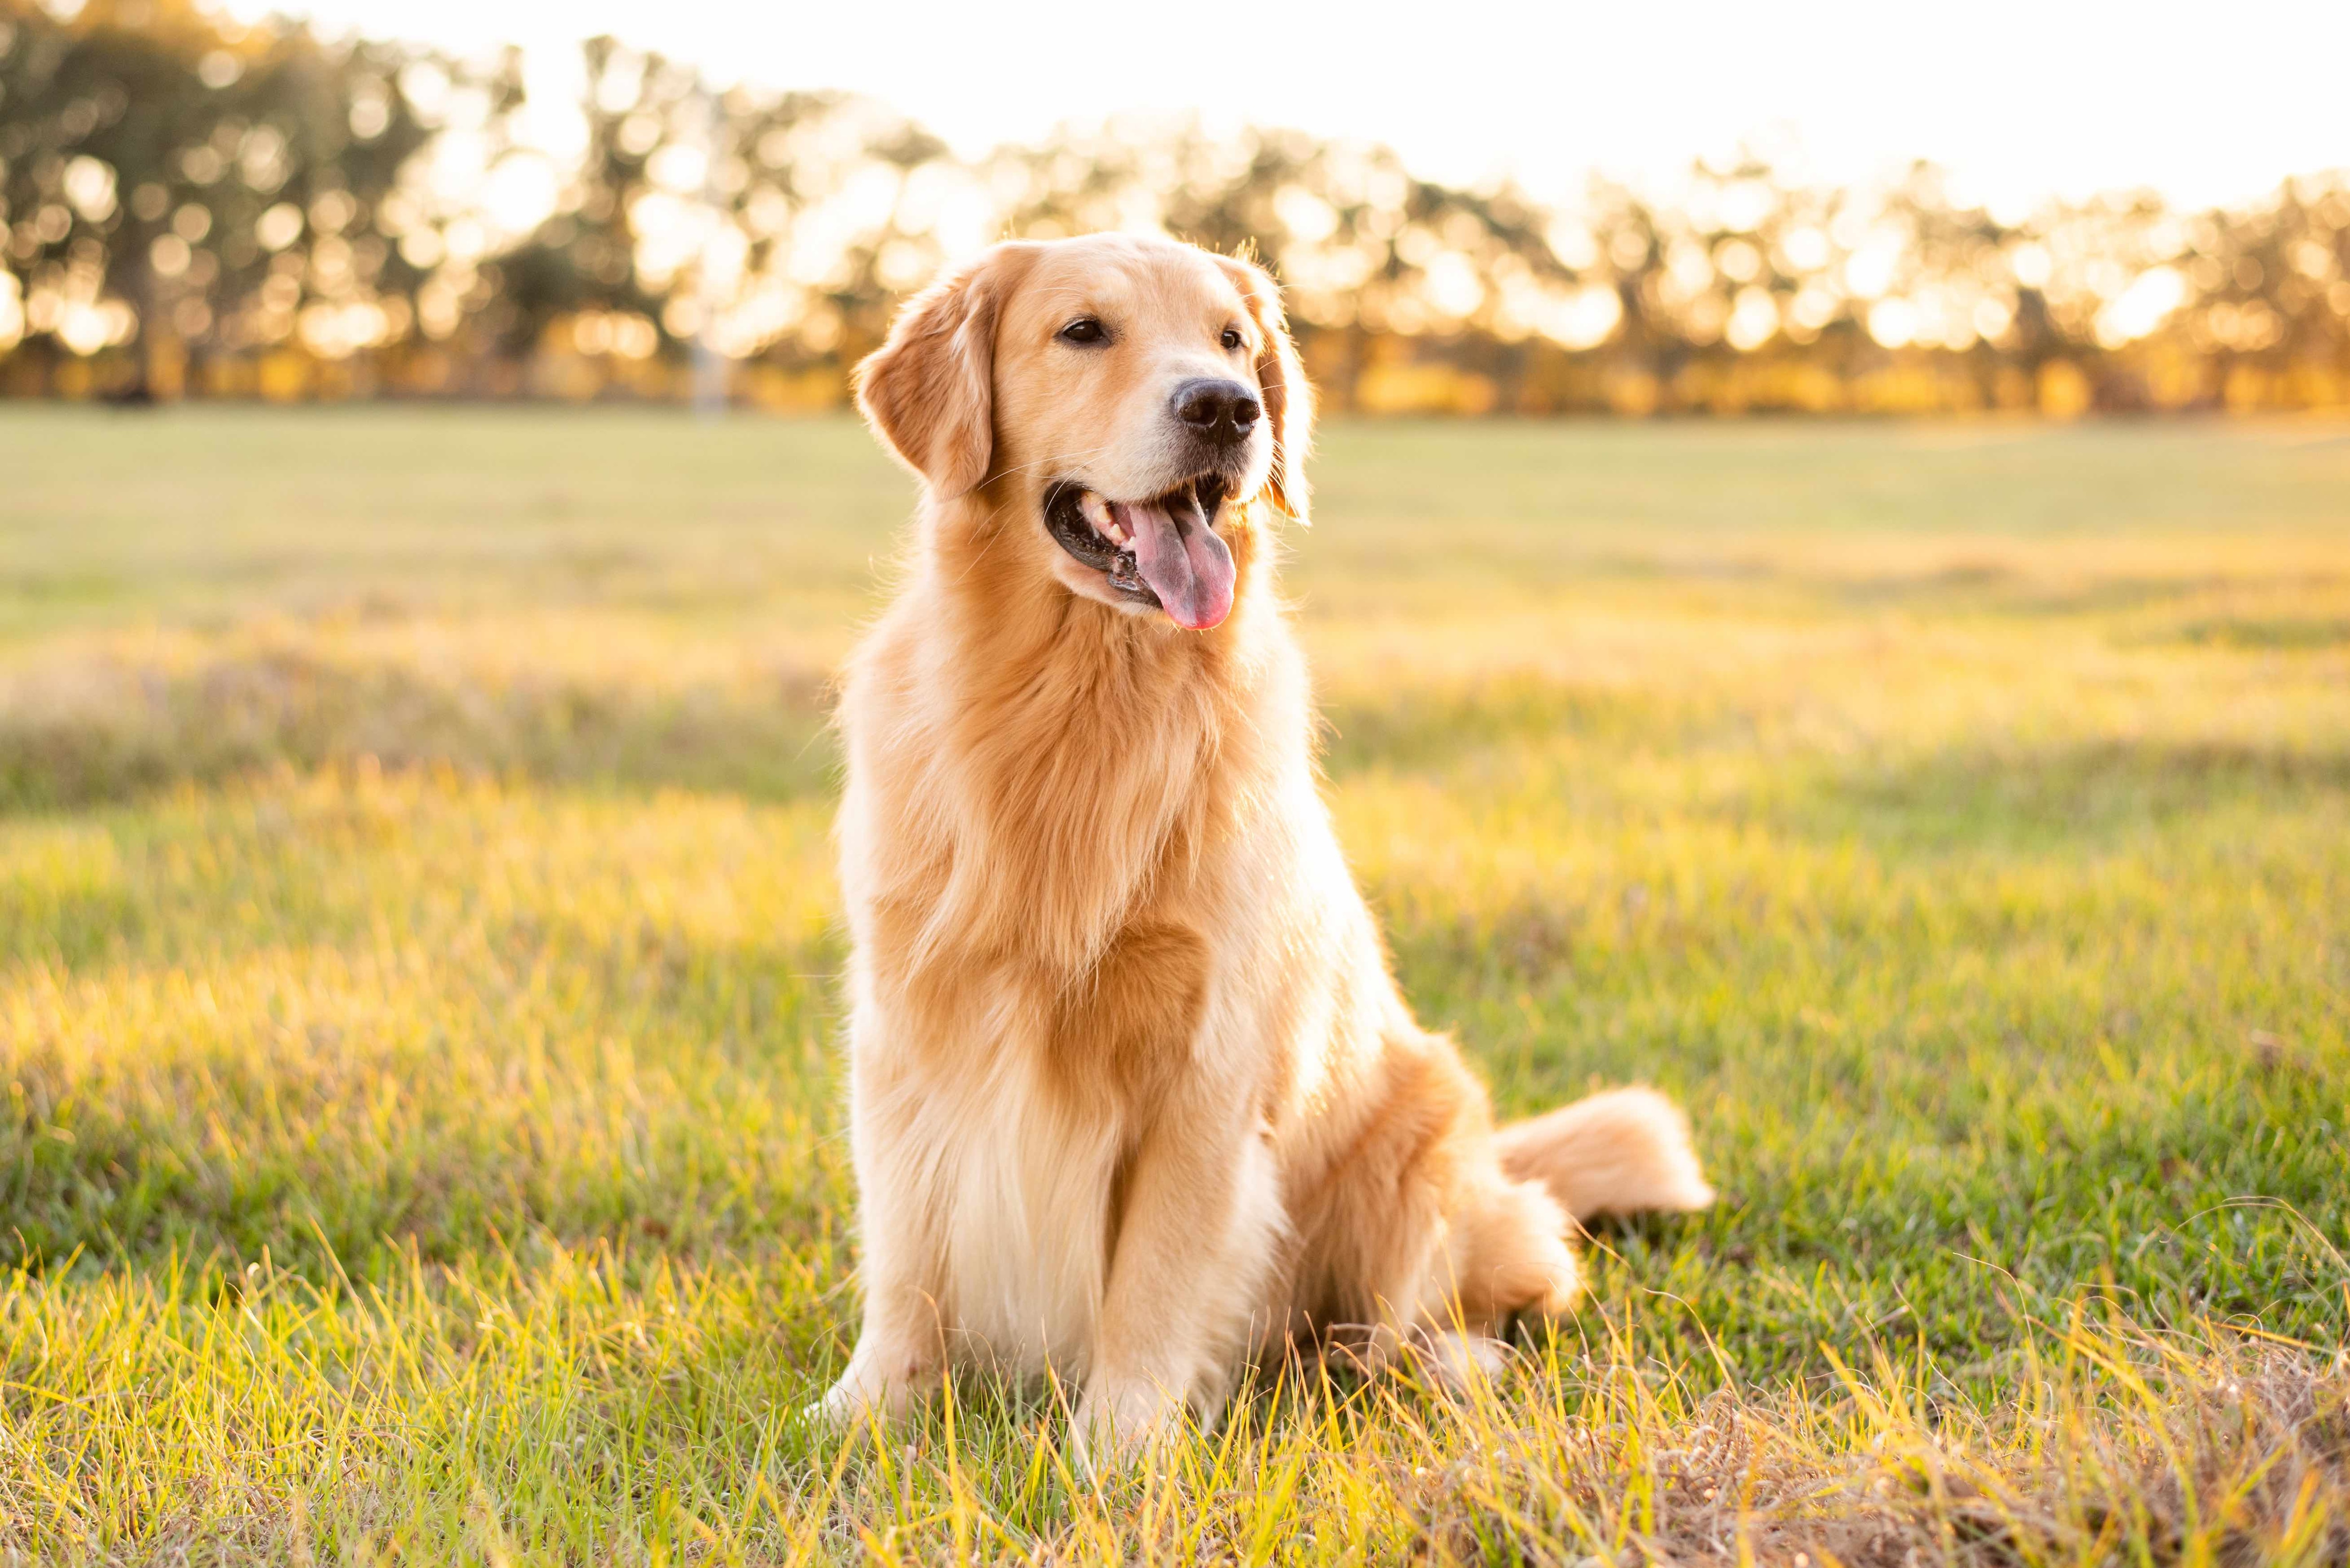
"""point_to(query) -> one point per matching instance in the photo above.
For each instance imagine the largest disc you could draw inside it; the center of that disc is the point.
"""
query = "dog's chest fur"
(1028, 898)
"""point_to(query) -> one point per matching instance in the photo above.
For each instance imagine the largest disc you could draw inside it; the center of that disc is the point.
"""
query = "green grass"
(417, 1013)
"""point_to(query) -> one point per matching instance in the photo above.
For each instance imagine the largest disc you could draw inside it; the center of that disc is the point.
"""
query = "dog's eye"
(1084, 329)
(1232, 337)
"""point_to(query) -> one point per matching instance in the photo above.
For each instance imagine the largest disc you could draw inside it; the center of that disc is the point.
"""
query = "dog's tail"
(1618, 1152)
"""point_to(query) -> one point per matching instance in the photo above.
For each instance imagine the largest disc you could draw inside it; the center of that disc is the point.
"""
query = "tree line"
(188, 207)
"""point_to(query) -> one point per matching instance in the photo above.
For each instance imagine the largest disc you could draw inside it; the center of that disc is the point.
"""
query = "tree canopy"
(192, 207)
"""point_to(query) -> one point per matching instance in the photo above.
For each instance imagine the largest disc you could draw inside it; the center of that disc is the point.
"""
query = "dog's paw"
(841, 1411)
(862, 1397)
(1118, 1420)
(1455, 1363)
(1358, 1350)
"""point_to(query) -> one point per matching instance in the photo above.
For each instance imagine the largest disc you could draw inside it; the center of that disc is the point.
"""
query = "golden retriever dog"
(1134, 1099)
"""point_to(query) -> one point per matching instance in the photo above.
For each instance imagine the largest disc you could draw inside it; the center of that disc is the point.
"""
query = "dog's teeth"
(1103, 517)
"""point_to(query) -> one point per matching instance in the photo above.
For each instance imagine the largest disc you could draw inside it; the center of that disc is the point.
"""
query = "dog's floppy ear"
(1280, 383)
(929, 390)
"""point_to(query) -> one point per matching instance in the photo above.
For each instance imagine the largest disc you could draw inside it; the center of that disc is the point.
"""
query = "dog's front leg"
(1195, 1238)
(900, 1343)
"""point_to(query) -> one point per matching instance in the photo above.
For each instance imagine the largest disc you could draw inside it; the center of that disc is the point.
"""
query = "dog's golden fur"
(1133, 1095)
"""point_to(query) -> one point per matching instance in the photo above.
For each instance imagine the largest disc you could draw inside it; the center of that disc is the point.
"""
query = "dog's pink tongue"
(1183, 561)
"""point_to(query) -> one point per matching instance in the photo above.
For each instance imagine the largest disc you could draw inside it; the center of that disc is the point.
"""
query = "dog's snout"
(1222, 411)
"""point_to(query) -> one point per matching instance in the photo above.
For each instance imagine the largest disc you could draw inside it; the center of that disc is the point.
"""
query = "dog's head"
(1129, 407)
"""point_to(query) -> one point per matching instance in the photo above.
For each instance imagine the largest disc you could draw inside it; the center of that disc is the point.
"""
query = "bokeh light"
(332, 217)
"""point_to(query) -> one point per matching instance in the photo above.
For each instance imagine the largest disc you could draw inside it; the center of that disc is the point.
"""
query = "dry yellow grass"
(415, 999)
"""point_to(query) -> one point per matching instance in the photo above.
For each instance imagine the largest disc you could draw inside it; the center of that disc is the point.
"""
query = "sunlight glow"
(1893, 323)
(2142, 307)
(1540, 90)
(1586, 317)
(1753, 320)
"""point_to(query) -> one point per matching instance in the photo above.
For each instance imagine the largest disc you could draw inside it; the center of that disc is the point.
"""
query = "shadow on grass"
(1432, 727)
(678, 1099)
(2072, 796)
(109, 731)
(2282, 633)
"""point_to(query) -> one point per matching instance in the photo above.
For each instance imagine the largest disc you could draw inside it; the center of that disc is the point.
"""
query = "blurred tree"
(175, 182)
(1369, 251)
(300, 215)
(583, 256)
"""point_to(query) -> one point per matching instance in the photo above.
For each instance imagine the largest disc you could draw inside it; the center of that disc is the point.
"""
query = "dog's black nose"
(1223, 411)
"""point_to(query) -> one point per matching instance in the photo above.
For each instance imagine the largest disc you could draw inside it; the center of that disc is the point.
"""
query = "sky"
(2018, 98)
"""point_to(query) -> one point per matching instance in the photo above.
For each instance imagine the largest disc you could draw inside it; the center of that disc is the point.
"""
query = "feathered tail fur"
(1622, 1151)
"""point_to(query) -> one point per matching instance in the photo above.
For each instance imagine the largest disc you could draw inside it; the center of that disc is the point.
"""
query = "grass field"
(416, 1010)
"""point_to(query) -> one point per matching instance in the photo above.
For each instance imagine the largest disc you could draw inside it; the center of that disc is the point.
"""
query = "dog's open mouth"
(1162, 552)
